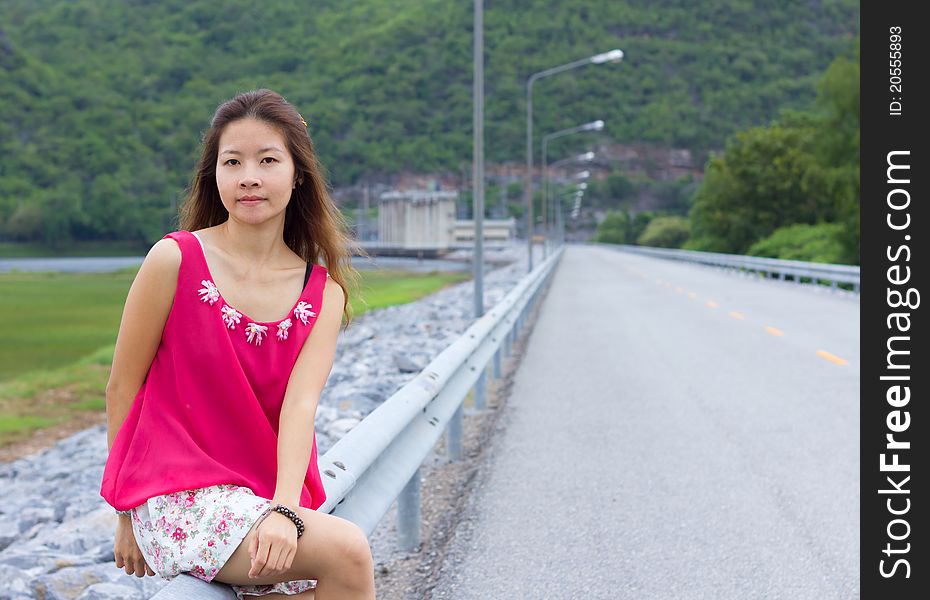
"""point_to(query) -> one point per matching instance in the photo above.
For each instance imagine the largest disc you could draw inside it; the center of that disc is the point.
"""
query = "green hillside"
(102, 102)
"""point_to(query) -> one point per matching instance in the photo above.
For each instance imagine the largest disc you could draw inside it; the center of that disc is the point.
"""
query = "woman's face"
(253, 162)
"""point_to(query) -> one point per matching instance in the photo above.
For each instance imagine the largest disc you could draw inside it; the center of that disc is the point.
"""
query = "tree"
(804, 169)
(837, 147)
(615, 228)
(762, 181)
(665, 232)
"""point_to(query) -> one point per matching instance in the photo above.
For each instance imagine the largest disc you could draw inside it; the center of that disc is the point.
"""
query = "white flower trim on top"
(209, 293)
(283, 326)
(302, 311)
(255, 332)
(231, 316)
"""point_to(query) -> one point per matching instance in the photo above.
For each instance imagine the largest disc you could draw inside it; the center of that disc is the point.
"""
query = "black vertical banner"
(895, 375)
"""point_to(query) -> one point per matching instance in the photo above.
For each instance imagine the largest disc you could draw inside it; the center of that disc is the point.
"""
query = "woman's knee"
(348, 547)
(356, 548)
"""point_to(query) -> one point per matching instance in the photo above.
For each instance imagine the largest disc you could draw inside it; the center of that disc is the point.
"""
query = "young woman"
(218, 370)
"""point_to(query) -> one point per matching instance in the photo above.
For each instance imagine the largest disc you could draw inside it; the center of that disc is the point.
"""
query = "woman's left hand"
(274, 546)
(126, 550)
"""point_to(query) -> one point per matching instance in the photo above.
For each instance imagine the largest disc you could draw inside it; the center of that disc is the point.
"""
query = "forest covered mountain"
(103, 102)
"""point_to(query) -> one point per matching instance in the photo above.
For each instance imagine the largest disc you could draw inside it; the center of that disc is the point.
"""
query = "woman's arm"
(141, 326)
(295, 426)
(144, 315)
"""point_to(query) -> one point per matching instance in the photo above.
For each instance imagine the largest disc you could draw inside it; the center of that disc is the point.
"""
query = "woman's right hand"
(126, 550)
(273, 547)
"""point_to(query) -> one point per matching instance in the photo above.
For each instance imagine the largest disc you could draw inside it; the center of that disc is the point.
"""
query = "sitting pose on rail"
(226, 341)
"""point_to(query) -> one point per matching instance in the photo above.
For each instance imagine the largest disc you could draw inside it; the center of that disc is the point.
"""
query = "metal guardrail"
(782, 269)
(379, 460)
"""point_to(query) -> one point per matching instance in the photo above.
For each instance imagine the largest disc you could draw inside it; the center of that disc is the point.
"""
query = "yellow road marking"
(712, 304)
(679, 290)
(774, 331)
(692, 295)
(737, 315)
(831, 357)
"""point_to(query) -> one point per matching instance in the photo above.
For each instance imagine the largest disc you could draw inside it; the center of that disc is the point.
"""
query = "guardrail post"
(408, 514)
(454, 434)
(497, 361)
(481, 387)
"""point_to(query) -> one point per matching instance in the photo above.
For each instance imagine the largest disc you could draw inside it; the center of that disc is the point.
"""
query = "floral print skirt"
(196, 531)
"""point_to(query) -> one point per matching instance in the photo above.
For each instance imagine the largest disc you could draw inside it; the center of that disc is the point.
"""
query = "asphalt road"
(661, 442)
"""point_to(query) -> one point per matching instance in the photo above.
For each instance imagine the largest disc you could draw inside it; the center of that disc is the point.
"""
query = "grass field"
(57, 347)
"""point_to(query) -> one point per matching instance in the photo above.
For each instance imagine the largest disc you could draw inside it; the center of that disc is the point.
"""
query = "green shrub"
(814, 243)
(665, 232)
(614, 229)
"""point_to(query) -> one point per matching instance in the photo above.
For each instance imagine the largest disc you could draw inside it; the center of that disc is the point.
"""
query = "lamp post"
(607, 57)
(592, 126)
(478, 155)
(560, 219)
(577, 208)
(586, 157)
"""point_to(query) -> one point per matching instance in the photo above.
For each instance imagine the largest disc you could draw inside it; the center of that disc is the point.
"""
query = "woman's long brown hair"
(314, 228)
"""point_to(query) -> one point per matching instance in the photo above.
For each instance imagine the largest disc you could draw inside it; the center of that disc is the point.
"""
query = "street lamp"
(586, 157)
(612, 56)
(583, 157)
(607, 57)
(592, 126)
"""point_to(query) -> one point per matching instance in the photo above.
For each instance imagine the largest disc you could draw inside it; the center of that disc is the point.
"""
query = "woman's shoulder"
(164, 259)
(332, 290)
(167, 248)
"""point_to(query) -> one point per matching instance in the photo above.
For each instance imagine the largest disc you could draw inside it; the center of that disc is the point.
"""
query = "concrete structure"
(425, 221)
(416, 219)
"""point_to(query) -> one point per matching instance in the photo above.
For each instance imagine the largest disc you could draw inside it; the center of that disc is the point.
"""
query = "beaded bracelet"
(292, 516)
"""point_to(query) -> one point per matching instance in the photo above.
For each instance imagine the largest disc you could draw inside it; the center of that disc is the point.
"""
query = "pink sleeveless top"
(207, 412)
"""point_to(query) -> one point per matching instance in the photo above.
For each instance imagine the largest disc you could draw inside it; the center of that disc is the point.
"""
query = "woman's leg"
(332, 550)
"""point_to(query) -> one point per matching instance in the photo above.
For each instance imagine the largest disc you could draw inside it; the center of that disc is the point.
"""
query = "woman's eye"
(236, 160)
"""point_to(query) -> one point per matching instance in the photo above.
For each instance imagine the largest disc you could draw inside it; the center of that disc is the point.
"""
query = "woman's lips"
(251, 201)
